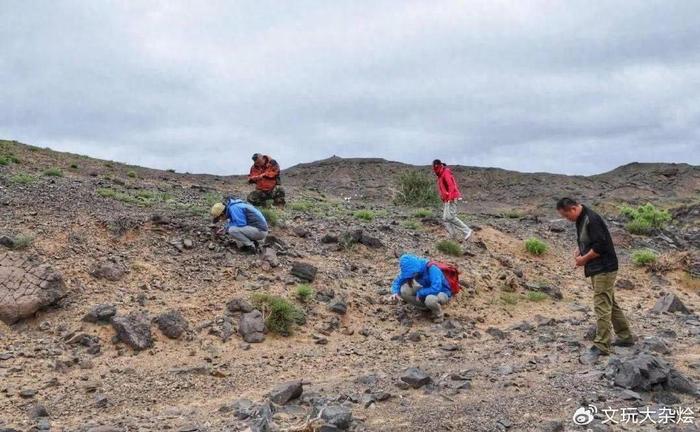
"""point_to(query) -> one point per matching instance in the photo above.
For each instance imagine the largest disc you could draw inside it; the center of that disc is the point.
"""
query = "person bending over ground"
(244, 223)
(432, 289)
(449, 193)
(265, 174)
(596, 254)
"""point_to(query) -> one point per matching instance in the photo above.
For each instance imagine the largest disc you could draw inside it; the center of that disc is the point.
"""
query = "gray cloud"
(573, 87)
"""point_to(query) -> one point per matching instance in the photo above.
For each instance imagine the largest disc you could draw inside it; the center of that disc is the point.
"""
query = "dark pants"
(260, 198)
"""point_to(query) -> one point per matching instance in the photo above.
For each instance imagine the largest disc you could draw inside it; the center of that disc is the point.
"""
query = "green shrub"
(422, 213)
(53, 172)
(22, 241)
(74, 166)
(536, 246)
(509, 298)
(280, 315)
(536, 296)
(301, 205)
(304, 293)
(644, 219)
(416, 189)
(644, 257)
(22, 178)
(449, 247)
(271, 215)
(366, 215)
(412, 225)
(8, 159)
(4, 161)
(131, 174)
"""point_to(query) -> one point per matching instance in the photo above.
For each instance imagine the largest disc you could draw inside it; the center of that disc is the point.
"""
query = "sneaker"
(248, 250)
(469, 234)
(624, 342)
(591, 356)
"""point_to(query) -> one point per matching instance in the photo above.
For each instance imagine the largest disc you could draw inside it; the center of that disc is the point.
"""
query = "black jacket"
(592, 233)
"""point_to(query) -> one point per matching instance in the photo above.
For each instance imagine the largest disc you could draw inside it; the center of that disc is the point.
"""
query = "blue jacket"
(241, 214)
(430, 278)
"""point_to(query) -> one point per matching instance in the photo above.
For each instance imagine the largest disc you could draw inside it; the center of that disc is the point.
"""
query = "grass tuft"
(422, 213)
(271, 216)
(644, 219)
(22, 241)
(304, 293)
(53, 172)
(536, 246)
(280, 315)
(536, 296)
(509, 298)
(365, 215)
(131, 174)
(449, 247)
(644, 257)
(22, 178)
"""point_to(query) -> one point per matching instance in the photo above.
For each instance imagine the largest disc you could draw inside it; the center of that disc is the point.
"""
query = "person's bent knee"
(406, 291)
(432, 301)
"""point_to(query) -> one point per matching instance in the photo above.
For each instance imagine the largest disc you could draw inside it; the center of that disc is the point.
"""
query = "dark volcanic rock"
(286, 392)
(26, 286)
(329, 238)
(337, 415)
(251, 327)
(415, 377)
(172, 324)
(304, 271)
(134, 330)
(239, 305)
(670, 303)
(100, 313)
(552, 291)
(645, 372)
(338, 306)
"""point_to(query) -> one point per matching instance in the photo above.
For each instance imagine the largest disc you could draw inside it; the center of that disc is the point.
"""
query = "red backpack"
(451, 273)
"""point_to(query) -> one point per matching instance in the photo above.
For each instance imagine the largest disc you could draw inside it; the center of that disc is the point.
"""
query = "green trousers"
(608, 312)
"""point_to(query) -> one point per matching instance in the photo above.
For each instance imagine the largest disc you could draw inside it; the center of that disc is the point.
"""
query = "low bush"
(366, 215)
(74, 166)
(301, 206)
(271, 215)
(422, 213)
(416, 189)
(22, 241)
(644, 257)
(131, 174)
(22, 178)
(536, 296)
(536, 246)
(280, 315)
(53, 172)
(644, 219)
(449, 247)
(412, 225)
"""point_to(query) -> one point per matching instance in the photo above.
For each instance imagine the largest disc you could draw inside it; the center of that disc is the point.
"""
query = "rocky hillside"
(121, 311)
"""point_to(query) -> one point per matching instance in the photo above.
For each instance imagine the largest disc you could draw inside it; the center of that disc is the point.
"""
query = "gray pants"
(245, 236)
(432, 302)
(453, 224)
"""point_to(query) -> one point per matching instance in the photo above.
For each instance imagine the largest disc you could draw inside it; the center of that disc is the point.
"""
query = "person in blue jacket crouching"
(245, 223)
(431, 291)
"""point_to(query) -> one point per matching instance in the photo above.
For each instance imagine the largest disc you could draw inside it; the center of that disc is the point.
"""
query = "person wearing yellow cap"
(244, 223)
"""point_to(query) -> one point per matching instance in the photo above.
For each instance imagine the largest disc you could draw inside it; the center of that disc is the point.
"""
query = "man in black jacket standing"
(596, 254)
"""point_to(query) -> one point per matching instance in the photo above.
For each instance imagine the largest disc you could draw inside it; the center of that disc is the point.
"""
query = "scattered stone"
(670, 303)
(239, 305)
(305, 272)
(496, 333)
(338, 306)
(329, 238)
(360, 236)
(251, 327)
(552, 426)
(134, 330)
(109, 270)
(27, 393)
(7, 241)
(630, 395)
(102, 313)
(337, 415)
(286, 392)
(26, 286)
(415, 378)
(624, 284)
(172, 324)
(655, 344)
(188, 243)
(301, 232)
(523, 326)
(101, 401)
(243, 408)
(223, 328)
(270, 256)
(551, 291)
(38, 410)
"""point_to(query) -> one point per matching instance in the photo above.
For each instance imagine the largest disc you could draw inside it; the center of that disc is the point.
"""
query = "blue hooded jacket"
(241, 213)
(430, 278)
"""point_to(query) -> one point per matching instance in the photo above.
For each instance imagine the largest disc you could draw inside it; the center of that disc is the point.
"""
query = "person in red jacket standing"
(449, 193)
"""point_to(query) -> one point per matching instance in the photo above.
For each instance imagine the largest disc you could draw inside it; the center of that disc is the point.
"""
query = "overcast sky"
(561, 86)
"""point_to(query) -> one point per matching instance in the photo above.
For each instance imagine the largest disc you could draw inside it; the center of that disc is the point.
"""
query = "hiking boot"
(257, 248)
(249, 250)
(591, 356)
(625, 342)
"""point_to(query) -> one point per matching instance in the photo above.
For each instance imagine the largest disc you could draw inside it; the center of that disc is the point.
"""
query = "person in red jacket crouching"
(449, 193)
(265, 174)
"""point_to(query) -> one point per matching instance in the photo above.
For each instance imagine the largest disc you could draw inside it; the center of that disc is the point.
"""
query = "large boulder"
(26, 286)
(134, 330)
(252, 327)
(646, 372)
(415, 377)
(286, 392)
(670, 303)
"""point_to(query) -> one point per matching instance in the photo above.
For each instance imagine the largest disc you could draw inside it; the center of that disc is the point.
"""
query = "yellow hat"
(217, 210)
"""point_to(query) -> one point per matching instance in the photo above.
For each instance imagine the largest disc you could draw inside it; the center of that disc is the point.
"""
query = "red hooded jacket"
(265, 177)
(446, 183)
